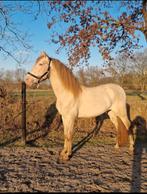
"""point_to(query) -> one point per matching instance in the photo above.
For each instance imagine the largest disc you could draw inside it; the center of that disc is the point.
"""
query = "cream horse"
(75, 100)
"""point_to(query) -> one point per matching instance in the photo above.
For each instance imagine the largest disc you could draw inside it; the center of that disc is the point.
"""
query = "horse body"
(75, 100)
(96, 100)
(91, 102)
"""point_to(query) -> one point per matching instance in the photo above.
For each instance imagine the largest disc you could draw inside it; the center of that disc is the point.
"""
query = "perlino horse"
(75, 100)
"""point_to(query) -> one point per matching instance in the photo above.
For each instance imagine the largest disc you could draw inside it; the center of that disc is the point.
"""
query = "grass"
(35, 93)
(49, 92)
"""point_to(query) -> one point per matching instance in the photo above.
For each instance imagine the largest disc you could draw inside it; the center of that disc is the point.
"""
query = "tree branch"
(8, 53)
(144, 11)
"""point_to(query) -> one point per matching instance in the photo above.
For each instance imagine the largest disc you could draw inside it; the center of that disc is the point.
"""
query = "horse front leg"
(68, 123)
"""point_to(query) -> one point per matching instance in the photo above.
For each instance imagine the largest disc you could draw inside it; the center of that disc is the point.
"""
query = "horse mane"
(67, 78)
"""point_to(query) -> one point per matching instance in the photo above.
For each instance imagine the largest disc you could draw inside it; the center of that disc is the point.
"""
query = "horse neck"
(56, 84)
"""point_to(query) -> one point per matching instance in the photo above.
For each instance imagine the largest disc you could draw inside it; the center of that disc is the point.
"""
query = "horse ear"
(43, 54)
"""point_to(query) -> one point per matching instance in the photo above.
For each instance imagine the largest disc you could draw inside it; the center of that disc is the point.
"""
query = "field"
(95, 164)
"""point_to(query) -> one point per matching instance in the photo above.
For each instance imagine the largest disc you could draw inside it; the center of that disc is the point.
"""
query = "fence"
(26, 115)
(22, 113)
(9, 114)
(23, 94)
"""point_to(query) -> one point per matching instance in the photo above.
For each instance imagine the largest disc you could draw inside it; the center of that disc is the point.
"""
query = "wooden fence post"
(23, 121)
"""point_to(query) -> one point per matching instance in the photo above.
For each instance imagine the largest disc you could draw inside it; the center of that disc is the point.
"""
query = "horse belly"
(93, 105)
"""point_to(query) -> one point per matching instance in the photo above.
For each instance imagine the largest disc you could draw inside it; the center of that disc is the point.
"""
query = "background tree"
(93, 75)
(93, 23)
(13, 37)
(82, 77)
(130, 72)
(120, 69)
(140, 69)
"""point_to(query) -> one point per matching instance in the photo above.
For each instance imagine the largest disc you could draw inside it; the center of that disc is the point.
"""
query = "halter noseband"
(40, 77)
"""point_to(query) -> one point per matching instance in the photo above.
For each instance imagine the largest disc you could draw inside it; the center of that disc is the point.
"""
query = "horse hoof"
(131, 148)
(60, 161)
(116, 146)
(64, 157)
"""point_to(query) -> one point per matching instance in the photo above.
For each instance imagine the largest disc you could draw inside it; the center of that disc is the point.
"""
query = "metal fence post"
(23, 121)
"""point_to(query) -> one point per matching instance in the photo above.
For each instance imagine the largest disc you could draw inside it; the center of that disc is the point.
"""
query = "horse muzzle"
(31, 82)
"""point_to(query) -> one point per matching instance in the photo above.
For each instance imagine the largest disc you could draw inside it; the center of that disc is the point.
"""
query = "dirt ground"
(94, 167)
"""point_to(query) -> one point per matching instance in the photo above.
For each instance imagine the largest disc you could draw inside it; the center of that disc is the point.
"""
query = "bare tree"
(91, 76)
(120, 68)
(130, 72)
(82, 77)
(19, 74)
(140, 69)
(13, 39)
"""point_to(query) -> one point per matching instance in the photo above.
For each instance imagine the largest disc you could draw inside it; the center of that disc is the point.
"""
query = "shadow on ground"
(140, 146)
(50, 116)
(40, 131)
(98, 121)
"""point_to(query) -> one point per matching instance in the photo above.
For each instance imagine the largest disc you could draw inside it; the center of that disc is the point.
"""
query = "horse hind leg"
(114, 120)
(123, 126)
(127, 124)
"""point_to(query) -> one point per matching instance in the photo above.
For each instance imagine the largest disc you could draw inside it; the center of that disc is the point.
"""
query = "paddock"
(36, 168)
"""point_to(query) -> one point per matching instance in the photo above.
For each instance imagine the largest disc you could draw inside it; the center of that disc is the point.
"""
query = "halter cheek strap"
(40, 77)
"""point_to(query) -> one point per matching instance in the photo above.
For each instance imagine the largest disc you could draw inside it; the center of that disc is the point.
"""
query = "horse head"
(40, 71)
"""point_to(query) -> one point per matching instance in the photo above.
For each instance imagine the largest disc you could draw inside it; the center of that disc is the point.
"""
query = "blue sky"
(39, 39)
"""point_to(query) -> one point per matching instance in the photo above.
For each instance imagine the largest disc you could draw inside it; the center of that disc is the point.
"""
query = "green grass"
(35, 93)
(49, 92)
(136, 93)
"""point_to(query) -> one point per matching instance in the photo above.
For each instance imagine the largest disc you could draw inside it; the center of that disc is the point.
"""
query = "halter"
(40, 77)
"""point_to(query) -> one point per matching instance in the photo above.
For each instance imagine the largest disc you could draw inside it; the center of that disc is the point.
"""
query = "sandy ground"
(93, 168)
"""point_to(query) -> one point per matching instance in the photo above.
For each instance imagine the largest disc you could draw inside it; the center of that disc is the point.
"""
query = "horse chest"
(66, 106)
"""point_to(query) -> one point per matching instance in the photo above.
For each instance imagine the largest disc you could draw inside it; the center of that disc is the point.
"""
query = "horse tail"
(123, 133)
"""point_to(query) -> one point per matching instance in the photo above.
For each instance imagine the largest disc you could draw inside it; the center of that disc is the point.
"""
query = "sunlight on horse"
(75, 100)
